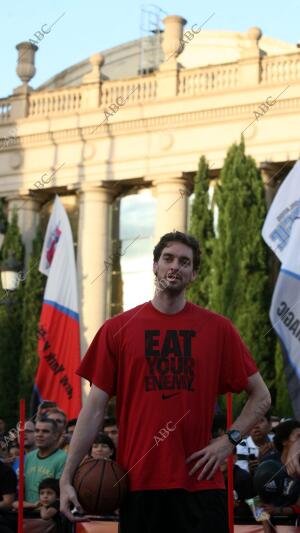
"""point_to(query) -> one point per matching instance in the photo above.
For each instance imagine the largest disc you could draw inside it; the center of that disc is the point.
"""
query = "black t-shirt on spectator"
(8, 480)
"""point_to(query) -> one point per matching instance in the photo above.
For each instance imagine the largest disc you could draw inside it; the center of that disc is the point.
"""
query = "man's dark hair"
(178, 236)
(50, 421)
(109, 421)
(283, 431)
(50, 483)
(72, 422)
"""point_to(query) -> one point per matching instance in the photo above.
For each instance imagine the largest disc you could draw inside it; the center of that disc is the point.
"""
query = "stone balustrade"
(278, 69)
(5, 109)
(208, 79)
(133, 90)
(191, 82)
(54, 102)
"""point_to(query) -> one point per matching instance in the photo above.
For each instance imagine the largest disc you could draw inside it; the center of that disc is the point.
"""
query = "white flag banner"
(284, 210)
(281, 232)
(285, 316)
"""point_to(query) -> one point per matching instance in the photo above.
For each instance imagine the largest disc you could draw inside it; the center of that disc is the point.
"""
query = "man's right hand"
(68, 500)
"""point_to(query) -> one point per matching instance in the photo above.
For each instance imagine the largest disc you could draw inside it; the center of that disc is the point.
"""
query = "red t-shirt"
(166, 371)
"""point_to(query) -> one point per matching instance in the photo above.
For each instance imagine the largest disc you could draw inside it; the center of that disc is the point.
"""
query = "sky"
(91, 26)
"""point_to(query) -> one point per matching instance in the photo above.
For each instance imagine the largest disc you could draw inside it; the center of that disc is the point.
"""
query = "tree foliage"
(201, 227)
(11, 328)
(240, 280)
(32, 304)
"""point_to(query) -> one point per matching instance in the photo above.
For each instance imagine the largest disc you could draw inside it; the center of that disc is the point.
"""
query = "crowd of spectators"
(262, 486)
(46, 441)
(259, 473)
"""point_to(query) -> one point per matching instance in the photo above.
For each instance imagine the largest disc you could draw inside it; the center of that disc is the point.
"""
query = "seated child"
(103, 447)
(49, 498)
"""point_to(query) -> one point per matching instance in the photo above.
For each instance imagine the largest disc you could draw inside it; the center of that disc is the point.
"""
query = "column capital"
(171, 182)
(96, 191)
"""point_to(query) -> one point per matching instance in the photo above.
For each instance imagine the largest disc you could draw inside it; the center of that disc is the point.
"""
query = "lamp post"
(9, 279)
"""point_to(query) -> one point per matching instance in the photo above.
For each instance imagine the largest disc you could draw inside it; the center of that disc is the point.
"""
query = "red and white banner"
(59, 341)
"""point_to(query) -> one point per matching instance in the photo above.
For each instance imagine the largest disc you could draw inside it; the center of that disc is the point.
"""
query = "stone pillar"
(250, 58)
(267, 171)
(92, 83)
(93, 252)
(172, 201)
(28, 209)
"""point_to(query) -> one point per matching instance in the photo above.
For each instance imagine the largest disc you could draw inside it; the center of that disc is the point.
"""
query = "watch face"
(235, 435)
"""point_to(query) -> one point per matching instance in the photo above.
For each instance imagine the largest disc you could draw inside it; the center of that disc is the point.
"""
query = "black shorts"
(174, 511)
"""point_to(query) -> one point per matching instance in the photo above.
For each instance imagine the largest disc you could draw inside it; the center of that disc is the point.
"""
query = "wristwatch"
(234, 436)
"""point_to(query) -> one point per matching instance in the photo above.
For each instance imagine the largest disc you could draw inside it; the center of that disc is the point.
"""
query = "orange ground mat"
(112, 527)
(97, 527)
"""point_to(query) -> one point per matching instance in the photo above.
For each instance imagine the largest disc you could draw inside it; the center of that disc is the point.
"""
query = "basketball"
(101, 485)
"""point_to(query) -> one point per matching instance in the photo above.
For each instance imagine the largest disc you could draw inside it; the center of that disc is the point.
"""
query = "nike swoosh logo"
(167, 396)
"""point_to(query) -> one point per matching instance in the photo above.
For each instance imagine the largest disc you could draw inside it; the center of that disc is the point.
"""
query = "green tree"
(283, 406)
(240, 279)
(201, 227)
(32, 305)
(11, 328)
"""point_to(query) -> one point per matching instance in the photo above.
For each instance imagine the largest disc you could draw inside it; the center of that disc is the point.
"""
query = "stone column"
(92, 84)
(93, 252)
(268, 170)
(28, 209)
(250, 58)
(172, 201)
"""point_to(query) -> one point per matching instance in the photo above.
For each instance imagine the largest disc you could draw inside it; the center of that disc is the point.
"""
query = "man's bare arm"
(293, 460)
(89, 421)
(213, 455)
(258, 403)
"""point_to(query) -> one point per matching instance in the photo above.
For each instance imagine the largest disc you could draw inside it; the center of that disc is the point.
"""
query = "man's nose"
(175, 265)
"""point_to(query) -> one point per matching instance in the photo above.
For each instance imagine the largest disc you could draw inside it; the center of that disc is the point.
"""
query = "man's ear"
(155, 267)
(194, 275)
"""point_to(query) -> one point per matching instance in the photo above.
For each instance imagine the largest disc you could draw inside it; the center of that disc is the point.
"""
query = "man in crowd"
(8, 487)
(8, 490)
(29, 440)
(44, 462)
(257, 445)
(111, 429)
(60, 418)
(166, 361)
(292, 461)
(71, 426)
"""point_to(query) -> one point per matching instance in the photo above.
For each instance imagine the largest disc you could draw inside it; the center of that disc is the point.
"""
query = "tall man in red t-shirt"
(166, 361)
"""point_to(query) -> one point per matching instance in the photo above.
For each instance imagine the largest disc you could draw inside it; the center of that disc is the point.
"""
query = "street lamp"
(9, 278)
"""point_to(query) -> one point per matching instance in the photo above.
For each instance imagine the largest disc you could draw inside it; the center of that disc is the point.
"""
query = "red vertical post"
(230, 468)
(21, 466)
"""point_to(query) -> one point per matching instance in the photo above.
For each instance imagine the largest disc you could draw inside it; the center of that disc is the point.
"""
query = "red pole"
(21, 466)
(230, 468)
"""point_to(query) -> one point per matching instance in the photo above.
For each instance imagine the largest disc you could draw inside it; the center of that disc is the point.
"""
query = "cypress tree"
(32, 305)
(283, 405)
(11, 329)
(201, 227)
(240, 281)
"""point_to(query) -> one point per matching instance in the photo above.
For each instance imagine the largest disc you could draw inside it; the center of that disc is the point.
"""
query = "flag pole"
(230, 468)
(21, 466)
